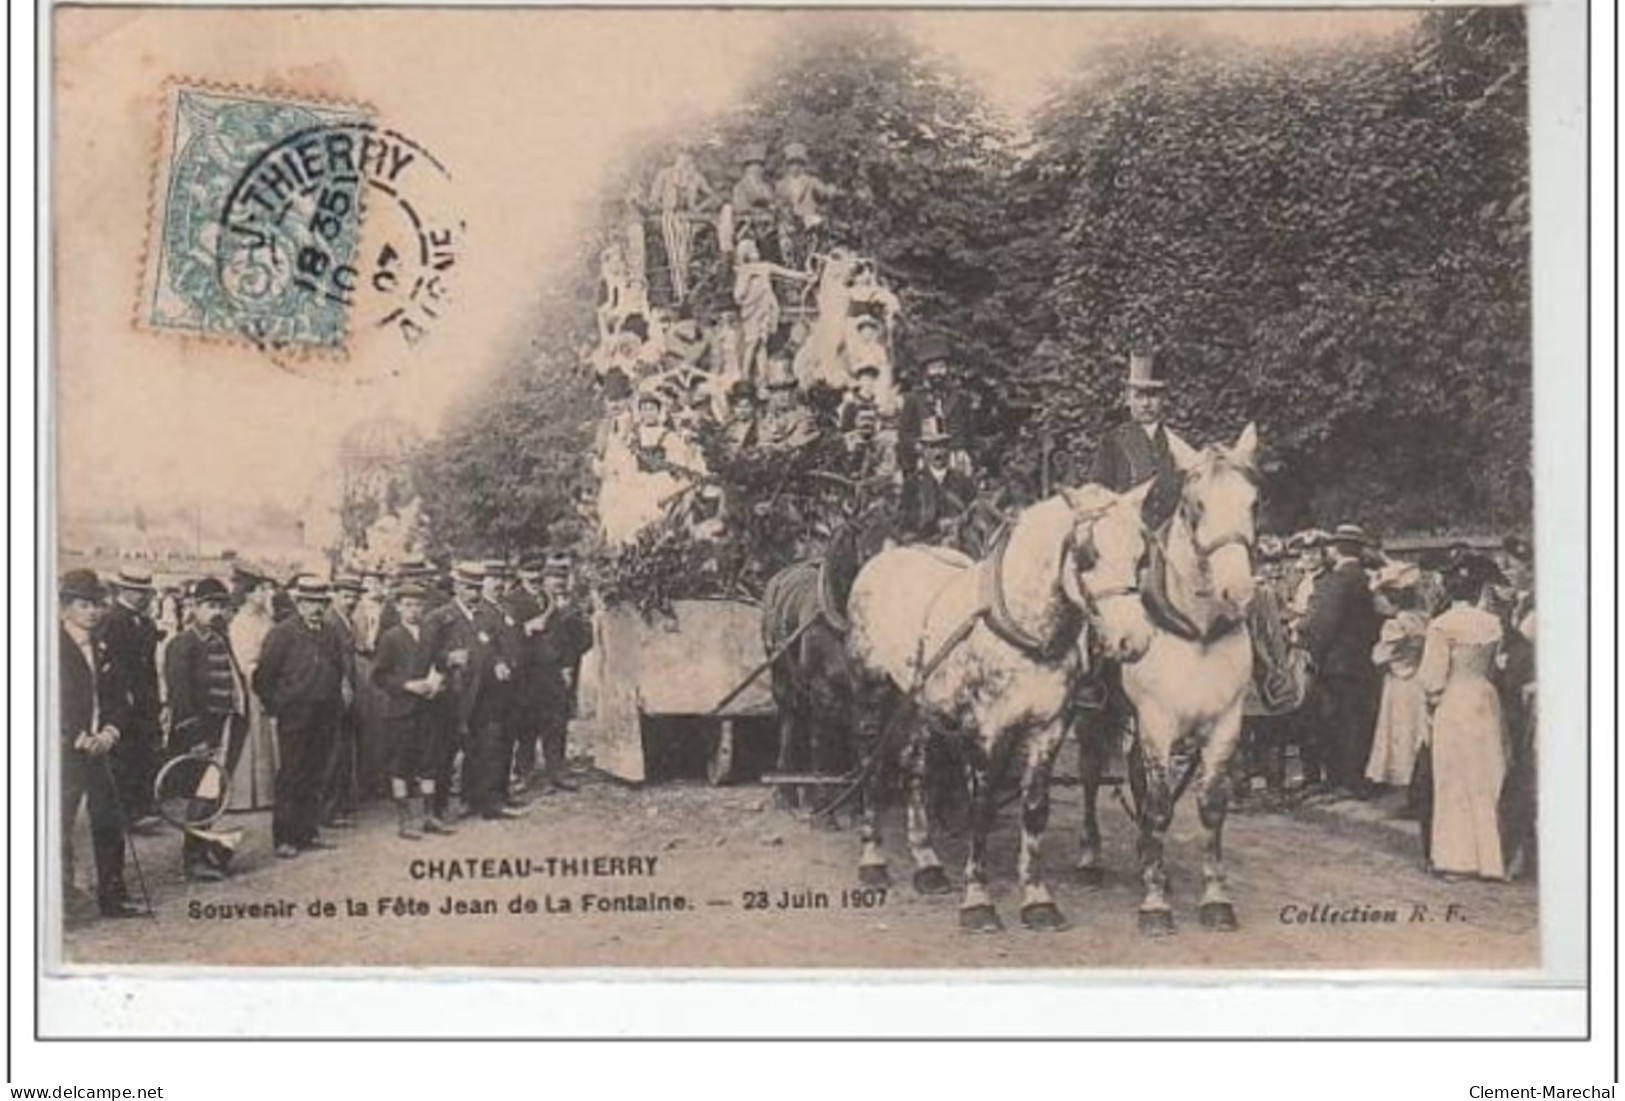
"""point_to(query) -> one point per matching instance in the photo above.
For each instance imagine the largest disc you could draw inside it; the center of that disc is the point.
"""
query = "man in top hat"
(208, 700)
(555, 642)
(471, 643)
(1339, 631)
(93, 714)
(935, 495)
(1142, 447)
(300, 679)
(934, 397)
(132, 639)
(341, 790)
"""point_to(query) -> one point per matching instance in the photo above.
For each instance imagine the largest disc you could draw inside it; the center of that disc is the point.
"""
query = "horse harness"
(1161, 608)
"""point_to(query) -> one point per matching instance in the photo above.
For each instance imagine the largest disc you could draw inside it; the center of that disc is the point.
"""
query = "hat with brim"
(795, 153)
(81, 585)
(1345, 535)
(557, 565)
(310, 587)
(209, 590)
(133, 579)
(250, 577)
(933, 349)
(347, 583)
(467, 573)
(1398, 576)
(753, 153)
(411, 591)
(1143, 373)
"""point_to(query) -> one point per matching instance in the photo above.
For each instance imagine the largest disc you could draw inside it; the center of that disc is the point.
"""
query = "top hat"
(1143, 373)
(209, 590)
(753, 153)
(132, 577)
(932, 348)
(307, 586)
(795, 152)
(81, 585)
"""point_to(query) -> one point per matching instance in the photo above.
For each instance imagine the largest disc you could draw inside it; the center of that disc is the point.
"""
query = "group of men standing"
(404, 674)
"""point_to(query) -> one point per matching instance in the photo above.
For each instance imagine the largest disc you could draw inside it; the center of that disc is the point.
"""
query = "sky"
(526, 108)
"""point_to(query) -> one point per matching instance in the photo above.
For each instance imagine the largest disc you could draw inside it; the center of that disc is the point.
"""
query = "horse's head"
(1108, 544)
(1218, 505)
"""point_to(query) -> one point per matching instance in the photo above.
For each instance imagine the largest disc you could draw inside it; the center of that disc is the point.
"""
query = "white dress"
(1402, 717)
(1469, 750)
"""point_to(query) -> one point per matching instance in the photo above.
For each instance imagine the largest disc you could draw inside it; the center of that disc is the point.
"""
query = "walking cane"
(129, 838)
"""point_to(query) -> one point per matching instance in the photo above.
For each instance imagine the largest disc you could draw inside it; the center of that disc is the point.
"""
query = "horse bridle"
(1085, 555)
(1205, 551)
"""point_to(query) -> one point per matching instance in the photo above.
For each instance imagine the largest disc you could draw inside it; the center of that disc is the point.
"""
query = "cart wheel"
(719, 769)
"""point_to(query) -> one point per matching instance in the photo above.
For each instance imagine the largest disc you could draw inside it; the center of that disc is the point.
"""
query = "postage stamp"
(298, 226)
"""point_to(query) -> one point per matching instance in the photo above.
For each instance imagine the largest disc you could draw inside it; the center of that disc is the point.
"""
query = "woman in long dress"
(1402, 717)
(1467, 739)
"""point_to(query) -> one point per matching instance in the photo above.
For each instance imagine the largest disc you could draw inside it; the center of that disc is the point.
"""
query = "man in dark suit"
(405, 674)
(300, 679)
(341, 790)
(934, 399)
(1339, 630)
(132, 639)
(93, 714)
(471, 642)
(935, 495)
(1143, 447)
(555, 643)
(208, 705)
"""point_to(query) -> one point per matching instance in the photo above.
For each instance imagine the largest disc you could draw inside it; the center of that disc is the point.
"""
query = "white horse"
(989, 653)
(1188, 689)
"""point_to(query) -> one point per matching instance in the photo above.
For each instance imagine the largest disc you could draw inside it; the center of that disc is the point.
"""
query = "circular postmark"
(337, 250)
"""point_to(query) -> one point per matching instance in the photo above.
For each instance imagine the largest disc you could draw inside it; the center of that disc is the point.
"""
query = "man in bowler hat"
(1340, 630)
(93, 713)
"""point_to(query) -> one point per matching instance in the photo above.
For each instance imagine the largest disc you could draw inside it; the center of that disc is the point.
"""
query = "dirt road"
(760, 887)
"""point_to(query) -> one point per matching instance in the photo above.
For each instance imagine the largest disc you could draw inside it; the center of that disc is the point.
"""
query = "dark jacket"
(1342, 624)
(398, 659)
(89, 698)
(194, 662)
(345, 631)
(952, 408)
(300, 667)
(484, 635)
(927, 504)
(132, 641)
(1128, 456)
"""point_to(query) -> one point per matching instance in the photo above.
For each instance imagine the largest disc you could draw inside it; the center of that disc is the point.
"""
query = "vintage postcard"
(1046, 491)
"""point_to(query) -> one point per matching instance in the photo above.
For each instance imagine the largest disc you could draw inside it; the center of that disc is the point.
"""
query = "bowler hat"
(132, 577)
(81, 585)
(931, 349)
(207, 590)
(307, 586)
(1143, 373)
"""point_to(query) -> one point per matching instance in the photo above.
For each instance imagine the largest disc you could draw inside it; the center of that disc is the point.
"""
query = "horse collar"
(1161, 608)
(996, 610)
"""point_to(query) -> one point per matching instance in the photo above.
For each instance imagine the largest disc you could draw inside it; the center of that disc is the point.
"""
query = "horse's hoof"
(1091, 876)
(980, 919)
(1220, 916)
(1156, 923)
(873, 875)
(932, 881)
(1043, 917)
